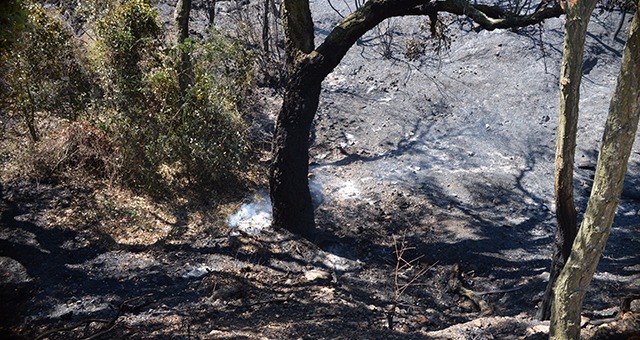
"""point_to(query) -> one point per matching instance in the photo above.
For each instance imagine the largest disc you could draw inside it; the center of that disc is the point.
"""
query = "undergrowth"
(107, 106)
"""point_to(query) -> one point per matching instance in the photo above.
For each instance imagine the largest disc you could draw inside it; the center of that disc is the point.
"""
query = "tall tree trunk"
(288, 182)
(619, 135)
(265, 26)
(575, 29)
(292, 206)
(181, 17)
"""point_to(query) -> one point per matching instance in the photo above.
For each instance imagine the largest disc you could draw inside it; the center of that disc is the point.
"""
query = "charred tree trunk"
(578, 15)
(619, 135)
(292, 206)
(288, 182)
(211, 12)
(265, 26)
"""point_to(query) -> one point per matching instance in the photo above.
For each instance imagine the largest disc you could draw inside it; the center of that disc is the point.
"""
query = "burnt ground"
(448, 156)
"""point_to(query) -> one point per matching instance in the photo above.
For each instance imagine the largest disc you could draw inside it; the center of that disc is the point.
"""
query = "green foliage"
(41, 72)
(212, 129)
(13, 18)
(170, 137)
(226, 67)
(115, 109)
(127, 34)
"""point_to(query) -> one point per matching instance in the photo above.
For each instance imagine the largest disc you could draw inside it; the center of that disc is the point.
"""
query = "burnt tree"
(617, 142)
(578, 14)
(181, 18)
(307, 66)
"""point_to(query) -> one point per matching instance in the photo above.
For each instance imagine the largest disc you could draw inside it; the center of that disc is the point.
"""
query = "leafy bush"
(212, 128)
(115, 109)
(196, 136)
(128, 36)
(40, 73)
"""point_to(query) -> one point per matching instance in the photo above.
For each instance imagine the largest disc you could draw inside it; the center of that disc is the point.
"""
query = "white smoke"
(253, 217)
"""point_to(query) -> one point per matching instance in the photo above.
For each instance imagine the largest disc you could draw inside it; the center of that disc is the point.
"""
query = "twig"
(69, 328)
(499, 291)
(401, 264)
(101, 333)
(335, 9)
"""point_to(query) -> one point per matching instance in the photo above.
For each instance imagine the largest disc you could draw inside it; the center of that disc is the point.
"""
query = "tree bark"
(307, 67)
(265, 26)
(211, 12)
(181, 17)
(290, 195)
(619, 135)
(575, 29)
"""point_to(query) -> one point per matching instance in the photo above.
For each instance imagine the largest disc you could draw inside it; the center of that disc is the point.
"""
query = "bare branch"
(373, 12)
(489, 17)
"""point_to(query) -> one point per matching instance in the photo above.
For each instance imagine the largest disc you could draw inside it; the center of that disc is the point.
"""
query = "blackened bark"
(566, 233)
(211, 12)
(289, 187)
(567, 219)
(575, 30)
(265, 26)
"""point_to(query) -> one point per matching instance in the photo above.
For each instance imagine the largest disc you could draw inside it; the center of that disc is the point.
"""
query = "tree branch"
(489, 17)
(351, 28)
(298, 25)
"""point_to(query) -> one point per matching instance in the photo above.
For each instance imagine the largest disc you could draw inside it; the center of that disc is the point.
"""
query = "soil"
(427, 174)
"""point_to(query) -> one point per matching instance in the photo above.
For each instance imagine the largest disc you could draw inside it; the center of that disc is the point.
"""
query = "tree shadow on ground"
(501, 233)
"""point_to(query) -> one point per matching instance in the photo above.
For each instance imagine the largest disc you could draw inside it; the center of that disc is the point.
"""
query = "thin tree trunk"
(619, 135)
(575, 30)
(265, 26)
(211, 12)
(183, 10)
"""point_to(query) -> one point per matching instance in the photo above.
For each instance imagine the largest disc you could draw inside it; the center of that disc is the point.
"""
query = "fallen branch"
(456, 286)
(110, 324)
(70, 328)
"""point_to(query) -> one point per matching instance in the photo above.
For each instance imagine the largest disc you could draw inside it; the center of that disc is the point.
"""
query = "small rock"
(584, 321)
(12, 272)
(542, 328)
(228, 293)
(316, 274)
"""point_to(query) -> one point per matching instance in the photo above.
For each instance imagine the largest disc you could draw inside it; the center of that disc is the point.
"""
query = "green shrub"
(41, 74)
(208, 131)
(116, 107)
(128, 36)
(170, 137)
(13, 18)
